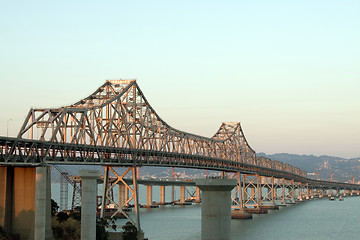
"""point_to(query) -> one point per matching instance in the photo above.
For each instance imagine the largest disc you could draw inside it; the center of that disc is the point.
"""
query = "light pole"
(7, 127)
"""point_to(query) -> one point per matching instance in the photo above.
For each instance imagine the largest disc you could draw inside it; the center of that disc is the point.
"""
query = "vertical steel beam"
(104, 193)
(283, 192)
(136, 199)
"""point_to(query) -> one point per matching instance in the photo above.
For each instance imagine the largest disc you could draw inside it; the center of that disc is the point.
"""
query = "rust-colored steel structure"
(116, 126)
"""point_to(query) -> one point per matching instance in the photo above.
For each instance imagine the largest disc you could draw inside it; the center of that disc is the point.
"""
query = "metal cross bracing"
(251, 190)
(124, 197)
(279, 191)
(115, 122)
(270, 194)
(116, 126)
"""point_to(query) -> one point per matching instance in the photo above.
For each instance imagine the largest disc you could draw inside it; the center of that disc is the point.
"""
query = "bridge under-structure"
(116, 127)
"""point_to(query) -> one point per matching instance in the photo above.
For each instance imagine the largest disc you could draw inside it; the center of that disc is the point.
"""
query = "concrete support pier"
(162, 195)
(182, 194)
(148, 195)
(25, 202)
(216, 208)
(197, 195)
(88, 203)
(43, 228)
(122, 194)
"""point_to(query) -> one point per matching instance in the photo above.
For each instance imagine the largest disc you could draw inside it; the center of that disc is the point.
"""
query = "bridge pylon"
(25, 201)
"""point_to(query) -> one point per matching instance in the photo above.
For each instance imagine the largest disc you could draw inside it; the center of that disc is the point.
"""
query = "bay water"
(318, 219)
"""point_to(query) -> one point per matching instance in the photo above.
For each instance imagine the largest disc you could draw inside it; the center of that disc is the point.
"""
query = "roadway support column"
(126, 193)
(42, 228)
(105, 189)
(162, 195)
(216, 208)
(182, 194)
(6, 190)
(88, 204)
(300, 192)
(283, 192)
(197, 195)
(148, 195)
(292, 192)
(122, 198)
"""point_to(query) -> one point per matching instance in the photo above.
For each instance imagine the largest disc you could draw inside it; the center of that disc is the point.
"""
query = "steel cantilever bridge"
(116, 126)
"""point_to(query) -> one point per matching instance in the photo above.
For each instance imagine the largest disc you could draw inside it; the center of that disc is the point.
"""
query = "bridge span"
(116, 127)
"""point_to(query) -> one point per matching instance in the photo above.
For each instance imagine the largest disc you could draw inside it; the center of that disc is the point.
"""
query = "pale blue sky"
(287, 70)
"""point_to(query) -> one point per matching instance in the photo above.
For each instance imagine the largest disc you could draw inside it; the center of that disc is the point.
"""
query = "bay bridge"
(117, 127)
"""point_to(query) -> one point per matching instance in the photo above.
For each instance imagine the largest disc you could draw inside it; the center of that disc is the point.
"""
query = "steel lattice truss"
(118, 115)
(117, 126)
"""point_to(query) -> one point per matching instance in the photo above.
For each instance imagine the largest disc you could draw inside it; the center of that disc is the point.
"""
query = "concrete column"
(259, 195)
(182, 194)
(48, 228)
(216, 208)
(6, 186)
(121, 194)
(148, 195)
(197, 195)
(23, 202)
(300, 192)
(283, 192)
(259, 191)
(273, 194)
(126, 194)
(88, 203)
(292, 192)
(43, 228)
(162, 195)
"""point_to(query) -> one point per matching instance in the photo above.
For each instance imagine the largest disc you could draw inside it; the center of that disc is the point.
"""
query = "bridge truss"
(116, 126)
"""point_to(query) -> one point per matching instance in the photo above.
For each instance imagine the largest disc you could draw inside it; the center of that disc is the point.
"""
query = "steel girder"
(116, 123)
(118, 115)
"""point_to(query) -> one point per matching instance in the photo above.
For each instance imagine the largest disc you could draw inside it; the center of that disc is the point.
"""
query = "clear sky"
(287, 70)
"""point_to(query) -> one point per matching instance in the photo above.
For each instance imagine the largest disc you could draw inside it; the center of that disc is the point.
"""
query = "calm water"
(315, 219)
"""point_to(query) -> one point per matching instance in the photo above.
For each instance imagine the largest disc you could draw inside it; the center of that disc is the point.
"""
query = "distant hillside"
(343, 169)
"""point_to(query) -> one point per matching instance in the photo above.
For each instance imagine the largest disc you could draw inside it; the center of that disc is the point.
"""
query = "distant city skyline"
(287, 70)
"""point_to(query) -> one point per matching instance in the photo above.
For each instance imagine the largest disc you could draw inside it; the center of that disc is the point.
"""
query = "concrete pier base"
(240, 214)
(88, 204)
(270, 207)
(256, 210)
(216, 208)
